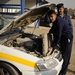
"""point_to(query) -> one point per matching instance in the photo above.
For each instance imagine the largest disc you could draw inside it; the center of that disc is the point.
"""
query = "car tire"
(6, 69)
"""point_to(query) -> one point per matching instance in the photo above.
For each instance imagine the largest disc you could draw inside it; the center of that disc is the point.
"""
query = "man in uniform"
(61, 11)
(62, 32)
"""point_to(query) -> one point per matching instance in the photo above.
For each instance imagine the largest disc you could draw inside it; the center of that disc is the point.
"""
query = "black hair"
(50, 12)
(66, 11)
(47, 19)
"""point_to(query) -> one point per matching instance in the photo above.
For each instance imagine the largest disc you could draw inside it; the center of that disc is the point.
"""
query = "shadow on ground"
(71, 71)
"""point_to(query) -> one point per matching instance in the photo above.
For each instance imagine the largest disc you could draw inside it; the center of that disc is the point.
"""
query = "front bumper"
(54, 71)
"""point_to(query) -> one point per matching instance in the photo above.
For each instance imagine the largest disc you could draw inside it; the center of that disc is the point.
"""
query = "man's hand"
(49, 51)
(50, 48)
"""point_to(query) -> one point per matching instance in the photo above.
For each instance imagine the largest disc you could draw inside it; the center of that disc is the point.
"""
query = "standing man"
(61, 11)
(62, 32)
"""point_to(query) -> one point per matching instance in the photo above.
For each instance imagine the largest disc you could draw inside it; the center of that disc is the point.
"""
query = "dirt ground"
(71, 67)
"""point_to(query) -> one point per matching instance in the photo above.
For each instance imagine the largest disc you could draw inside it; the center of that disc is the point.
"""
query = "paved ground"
(71, 68)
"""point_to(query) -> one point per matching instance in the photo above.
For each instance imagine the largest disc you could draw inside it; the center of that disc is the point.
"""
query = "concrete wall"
(28, 3)
(9, 1)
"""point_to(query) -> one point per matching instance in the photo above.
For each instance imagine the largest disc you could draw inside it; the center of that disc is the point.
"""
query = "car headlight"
(47, 65)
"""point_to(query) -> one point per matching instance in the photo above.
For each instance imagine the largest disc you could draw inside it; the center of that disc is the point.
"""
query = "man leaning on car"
(63, 35)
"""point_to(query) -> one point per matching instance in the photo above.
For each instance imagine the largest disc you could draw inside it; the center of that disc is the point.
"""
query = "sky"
(67, 3)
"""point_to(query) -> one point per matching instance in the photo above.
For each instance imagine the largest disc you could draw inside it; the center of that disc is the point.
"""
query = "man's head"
(52, 15)
(60, 9)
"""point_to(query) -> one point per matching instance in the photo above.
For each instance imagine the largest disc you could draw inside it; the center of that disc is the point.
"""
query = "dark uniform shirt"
(60, 29)
(68, 20)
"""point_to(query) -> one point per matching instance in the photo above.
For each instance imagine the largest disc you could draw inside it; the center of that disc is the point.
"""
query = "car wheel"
(6, 69)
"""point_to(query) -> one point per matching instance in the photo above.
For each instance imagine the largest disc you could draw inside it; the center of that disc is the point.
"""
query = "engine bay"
(31, 43)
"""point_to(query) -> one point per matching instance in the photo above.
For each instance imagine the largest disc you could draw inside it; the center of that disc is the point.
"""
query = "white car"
(21, 53)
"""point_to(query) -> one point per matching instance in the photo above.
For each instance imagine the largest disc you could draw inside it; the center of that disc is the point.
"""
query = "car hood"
(27, 18)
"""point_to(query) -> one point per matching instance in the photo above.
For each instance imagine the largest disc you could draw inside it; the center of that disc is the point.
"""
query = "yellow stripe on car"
(18, 60)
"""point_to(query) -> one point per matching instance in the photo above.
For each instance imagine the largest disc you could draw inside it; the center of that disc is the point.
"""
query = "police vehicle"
(21, 53)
